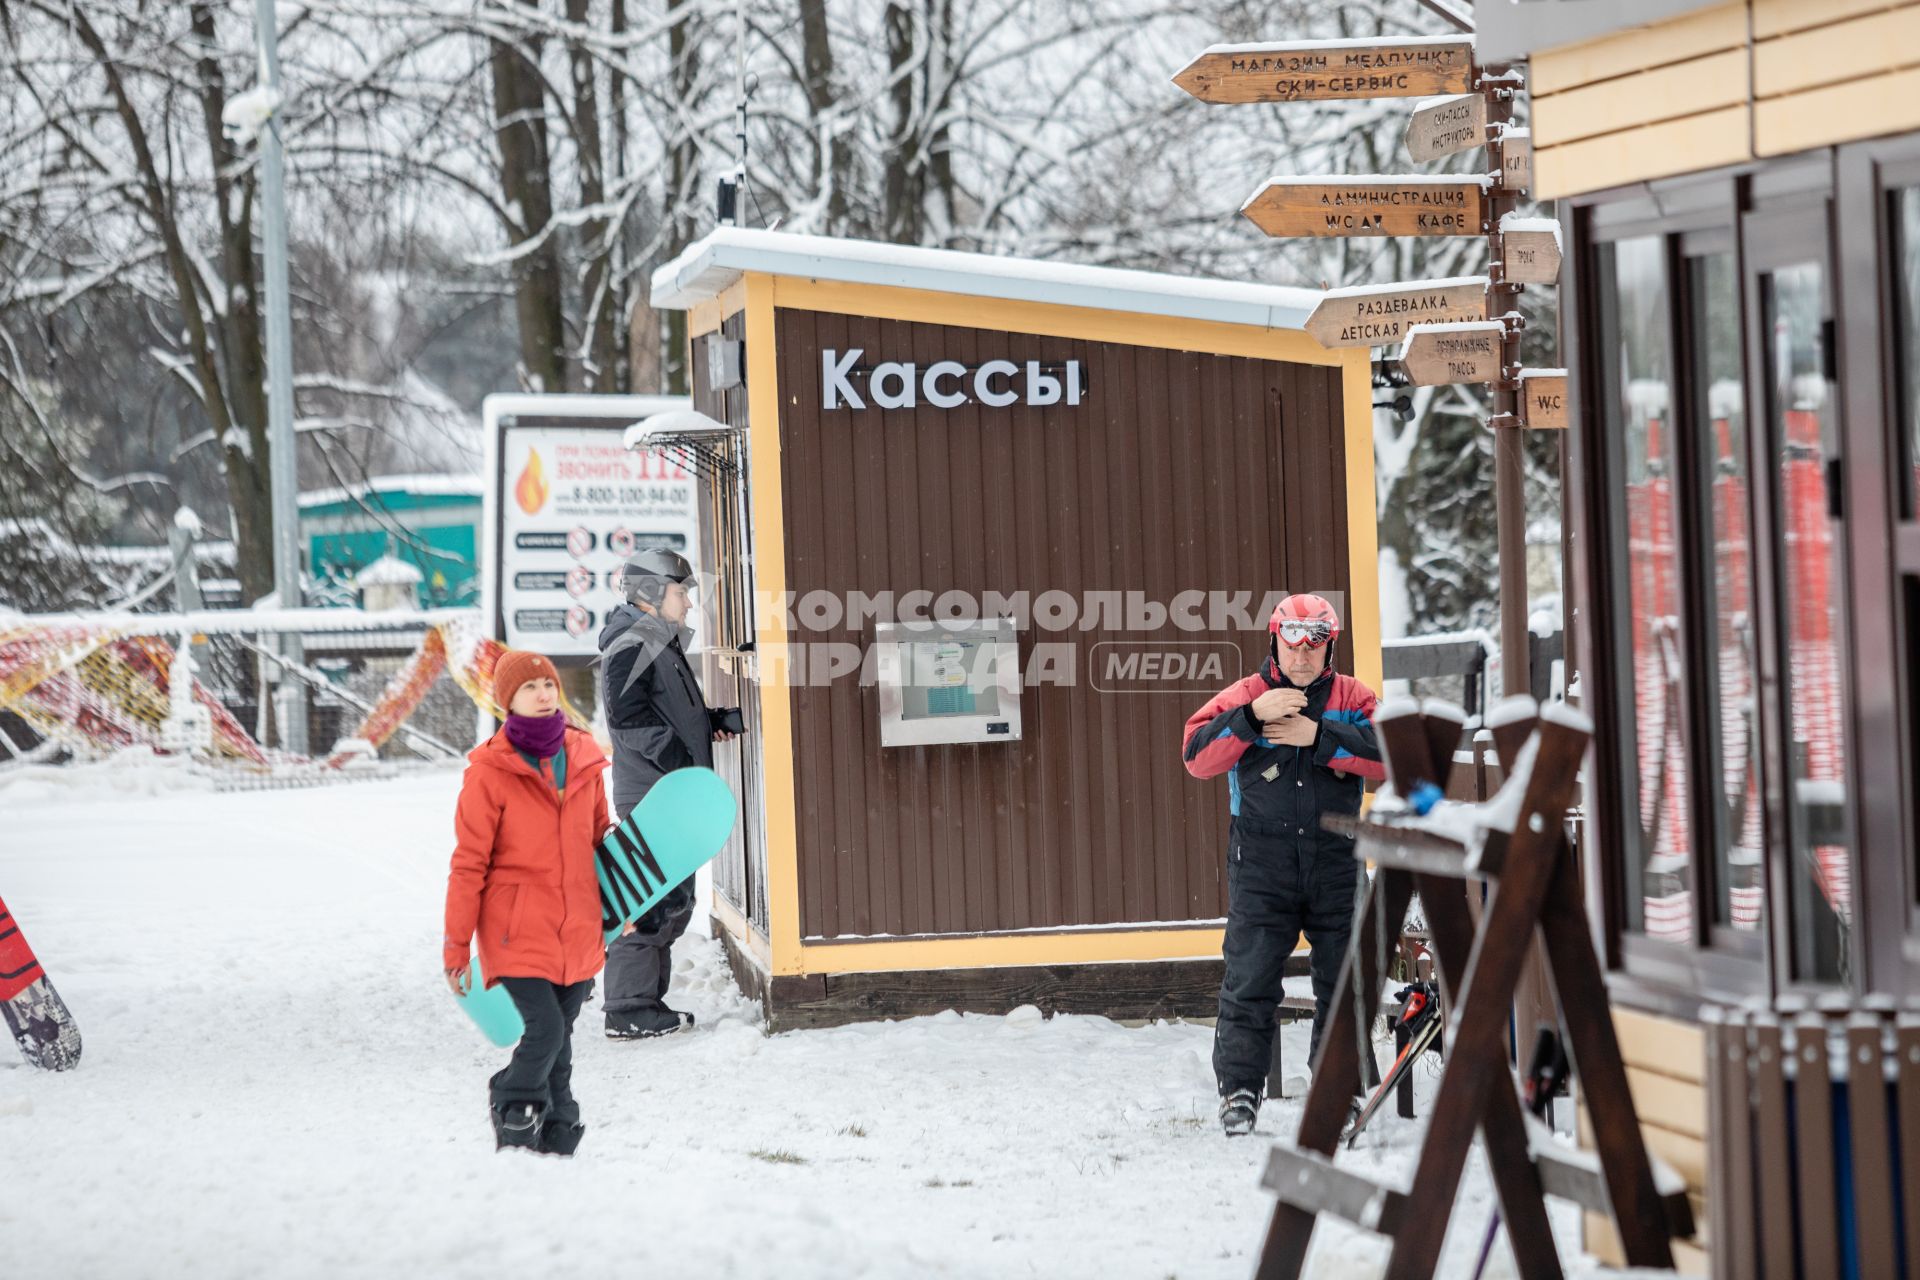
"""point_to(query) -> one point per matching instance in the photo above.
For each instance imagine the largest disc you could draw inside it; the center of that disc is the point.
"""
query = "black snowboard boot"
(644, 1024)
(1238, 1111)
(517, 1125)
(558, 1138)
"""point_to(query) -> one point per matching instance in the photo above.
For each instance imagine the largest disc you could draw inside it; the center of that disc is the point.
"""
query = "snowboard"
(492, 1010)
(35, 1015)
(679, 826)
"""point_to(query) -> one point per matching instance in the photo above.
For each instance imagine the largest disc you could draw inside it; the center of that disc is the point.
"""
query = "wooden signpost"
(1516, 160)
(1397, 205)
(1467, 351)
(1543, 399)
(1374, 316)
(1322, 70)
(1530, 249)
(1447, 127)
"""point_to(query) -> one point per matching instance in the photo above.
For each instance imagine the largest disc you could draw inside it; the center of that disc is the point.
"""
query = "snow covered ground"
(276, 1084)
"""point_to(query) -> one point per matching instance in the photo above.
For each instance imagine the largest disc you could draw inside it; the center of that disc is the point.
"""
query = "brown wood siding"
(740, 871)
(1179, 471)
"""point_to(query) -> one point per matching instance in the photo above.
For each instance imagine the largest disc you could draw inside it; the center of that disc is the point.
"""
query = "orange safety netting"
(102, 689)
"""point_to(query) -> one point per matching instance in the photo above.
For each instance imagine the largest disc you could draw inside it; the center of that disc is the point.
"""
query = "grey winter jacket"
(656, 713)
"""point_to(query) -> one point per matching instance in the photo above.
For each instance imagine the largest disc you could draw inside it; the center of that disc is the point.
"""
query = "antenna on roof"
(728, 204)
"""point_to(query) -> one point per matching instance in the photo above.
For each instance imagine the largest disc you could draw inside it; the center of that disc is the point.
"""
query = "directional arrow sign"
(1530, 249)
(1469, 351)
(1377, 315)
(1448, 126)
(1543, 397)
(1320, 70)
(1516, 169)
(1393, 205)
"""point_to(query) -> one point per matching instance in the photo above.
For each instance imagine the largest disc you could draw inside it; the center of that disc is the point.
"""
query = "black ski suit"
(1284, 873)
(659, 722)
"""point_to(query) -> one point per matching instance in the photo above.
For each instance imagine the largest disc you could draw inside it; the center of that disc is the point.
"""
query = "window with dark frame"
(1666, 357)
(1709, 347)
(1803, 444)
(1636, 386)
(1731, 743)
(1904, 259)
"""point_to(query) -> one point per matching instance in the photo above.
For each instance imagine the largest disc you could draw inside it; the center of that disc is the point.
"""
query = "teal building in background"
(429, 521)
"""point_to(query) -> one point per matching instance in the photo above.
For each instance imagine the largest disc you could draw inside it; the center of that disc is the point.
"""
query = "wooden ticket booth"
(1738, 189)
(1097, 466)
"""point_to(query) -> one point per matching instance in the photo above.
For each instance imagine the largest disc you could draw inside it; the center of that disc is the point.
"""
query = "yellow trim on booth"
(999, 950)
(770, 642)
(729, 918)
(1363, 522)
(1090, 324)
(705, 317)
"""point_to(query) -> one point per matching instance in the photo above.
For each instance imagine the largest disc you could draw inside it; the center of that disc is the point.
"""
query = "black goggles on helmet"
(1298, 633)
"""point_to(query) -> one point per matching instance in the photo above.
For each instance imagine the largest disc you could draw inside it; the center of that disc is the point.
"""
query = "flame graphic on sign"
(532, 489)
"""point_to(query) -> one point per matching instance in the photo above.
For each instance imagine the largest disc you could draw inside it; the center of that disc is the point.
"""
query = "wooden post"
(1509, 471)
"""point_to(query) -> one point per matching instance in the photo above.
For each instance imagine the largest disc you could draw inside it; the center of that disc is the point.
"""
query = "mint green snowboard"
(677, 828)
(493, 1011)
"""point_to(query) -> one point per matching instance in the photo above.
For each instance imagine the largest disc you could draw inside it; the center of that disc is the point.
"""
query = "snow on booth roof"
(713, 263)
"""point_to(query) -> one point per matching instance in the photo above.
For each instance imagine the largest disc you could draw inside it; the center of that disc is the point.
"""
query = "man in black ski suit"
(1296, 741)
(659, 722)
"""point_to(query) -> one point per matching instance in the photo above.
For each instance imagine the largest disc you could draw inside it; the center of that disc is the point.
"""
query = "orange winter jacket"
(523, 877)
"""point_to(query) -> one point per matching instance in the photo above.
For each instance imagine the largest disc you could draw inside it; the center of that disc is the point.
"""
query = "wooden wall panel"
(1778, 17)
(1838, 113)
(1666, 1072)
(1836, 53)
(1674, 92)
(1628, 52)
(1180, 471)
(1699, 93)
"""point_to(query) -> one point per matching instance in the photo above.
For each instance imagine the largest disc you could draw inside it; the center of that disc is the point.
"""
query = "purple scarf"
(538, 736)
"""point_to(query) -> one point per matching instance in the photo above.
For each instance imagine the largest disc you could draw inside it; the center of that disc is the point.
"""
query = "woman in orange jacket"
(532, 806)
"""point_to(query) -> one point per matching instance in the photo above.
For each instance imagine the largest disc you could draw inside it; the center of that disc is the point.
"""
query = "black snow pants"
(640, 964)
(541, 1070)
(1278, 885)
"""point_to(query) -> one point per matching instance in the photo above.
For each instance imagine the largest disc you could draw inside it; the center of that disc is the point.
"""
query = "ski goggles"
(1310, 632)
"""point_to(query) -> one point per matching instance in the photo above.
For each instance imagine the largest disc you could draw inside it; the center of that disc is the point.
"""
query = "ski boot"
(557, 1138)
(1238, 1111)
(517, 1124)
(645, 1024)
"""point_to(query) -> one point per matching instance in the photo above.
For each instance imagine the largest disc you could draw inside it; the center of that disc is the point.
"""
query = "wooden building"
(1738, 187)
(1060, 433)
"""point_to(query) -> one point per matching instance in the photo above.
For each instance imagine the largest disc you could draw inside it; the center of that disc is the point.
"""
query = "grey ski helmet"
(647, 572)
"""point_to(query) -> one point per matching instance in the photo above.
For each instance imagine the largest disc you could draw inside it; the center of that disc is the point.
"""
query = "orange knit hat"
(514, 668)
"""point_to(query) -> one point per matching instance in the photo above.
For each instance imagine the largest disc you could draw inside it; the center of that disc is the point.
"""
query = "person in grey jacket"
(659, 721)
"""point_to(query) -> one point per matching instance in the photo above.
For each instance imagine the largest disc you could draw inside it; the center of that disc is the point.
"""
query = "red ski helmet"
(1304, 620)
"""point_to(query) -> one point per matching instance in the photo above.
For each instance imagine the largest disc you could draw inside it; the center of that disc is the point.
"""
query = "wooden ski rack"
(1536, 885)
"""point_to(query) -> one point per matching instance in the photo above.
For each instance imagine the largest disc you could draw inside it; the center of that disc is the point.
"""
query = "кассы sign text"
(945, 384)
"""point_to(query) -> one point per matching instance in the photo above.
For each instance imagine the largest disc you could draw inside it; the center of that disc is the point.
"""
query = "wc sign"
(945, 384)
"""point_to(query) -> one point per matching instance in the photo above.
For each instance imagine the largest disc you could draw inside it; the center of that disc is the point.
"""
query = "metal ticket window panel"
(948, 682)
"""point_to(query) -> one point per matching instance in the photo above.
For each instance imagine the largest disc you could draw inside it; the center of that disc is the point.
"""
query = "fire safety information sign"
(574, 504)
